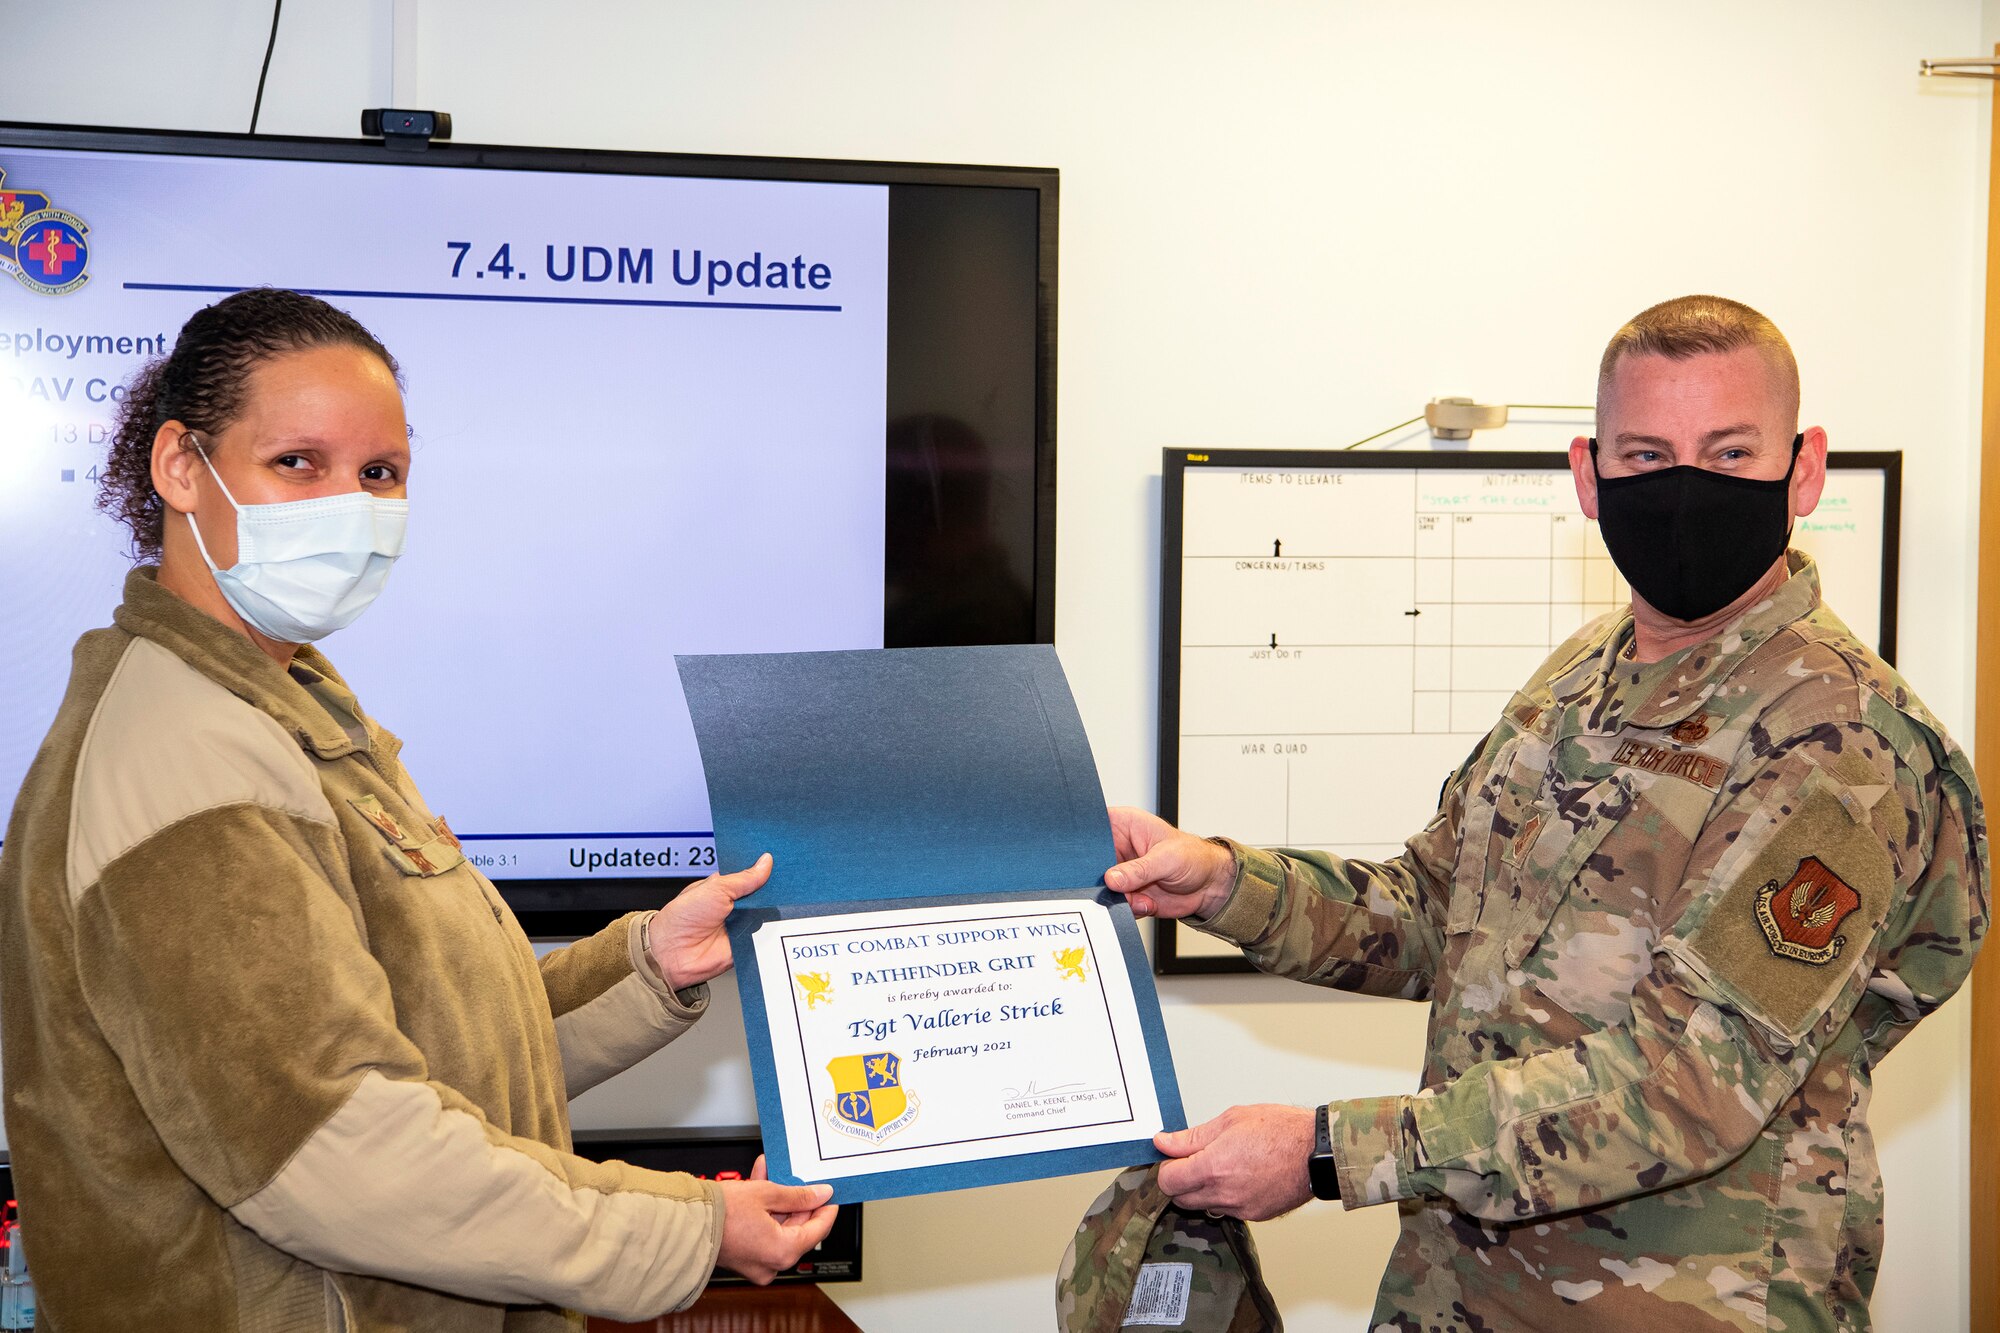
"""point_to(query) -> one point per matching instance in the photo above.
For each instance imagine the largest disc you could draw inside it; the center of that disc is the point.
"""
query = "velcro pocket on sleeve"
(1798, 903)
(1556, 850)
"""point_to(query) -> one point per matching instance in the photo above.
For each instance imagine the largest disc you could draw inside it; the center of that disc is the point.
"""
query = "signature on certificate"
(1036, 1101)
(1014, 1094)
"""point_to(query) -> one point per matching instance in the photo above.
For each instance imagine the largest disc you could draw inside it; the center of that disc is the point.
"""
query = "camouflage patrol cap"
(1138, 1261)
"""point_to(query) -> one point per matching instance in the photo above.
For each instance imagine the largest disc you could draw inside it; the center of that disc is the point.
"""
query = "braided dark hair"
(202, 382)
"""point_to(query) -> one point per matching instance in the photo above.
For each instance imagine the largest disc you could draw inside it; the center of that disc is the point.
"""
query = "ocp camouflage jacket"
(1669, 917)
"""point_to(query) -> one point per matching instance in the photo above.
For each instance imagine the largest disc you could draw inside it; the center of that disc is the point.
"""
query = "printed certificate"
(908, 1037)
(938, 992)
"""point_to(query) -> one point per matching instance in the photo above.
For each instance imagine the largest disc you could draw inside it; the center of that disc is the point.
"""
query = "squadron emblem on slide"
(44, 247)
(869, 1099)
(1800, 918)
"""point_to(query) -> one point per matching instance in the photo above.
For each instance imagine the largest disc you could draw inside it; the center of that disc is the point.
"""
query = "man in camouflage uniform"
(1706, 870)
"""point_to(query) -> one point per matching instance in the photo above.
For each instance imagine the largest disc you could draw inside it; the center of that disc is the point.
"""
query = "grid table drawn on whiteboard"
(1350, 627)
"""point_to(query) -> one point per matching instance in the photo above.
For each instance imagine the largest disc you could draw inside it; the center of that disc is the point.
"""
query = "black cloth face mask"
(1691, 541)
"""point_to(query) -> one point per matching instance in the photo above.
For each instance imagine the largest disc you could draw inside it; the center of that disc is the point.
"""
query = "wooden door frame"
(1985, 1053)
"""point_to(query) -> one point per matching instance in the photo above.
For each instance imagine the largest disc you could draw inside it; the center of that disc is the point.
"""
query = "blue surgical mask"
(305, 568)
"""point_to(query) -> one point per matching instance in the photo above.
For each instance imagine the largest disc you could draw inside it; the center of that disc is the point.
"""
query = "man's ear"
(1583, 470)
(1809, 473)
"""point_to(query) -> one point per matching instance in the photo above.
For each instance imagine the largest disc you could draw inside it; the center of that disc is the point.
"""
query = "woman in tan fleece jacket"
(277, 1057)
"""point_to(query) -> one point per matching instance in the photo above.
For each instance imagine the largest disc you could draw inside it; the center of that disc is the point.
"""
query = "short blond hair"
(1690, 326)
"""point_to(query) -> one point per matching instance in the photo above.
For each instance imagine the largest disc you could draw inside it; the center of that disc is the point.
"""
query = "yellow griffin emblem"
(868, 1089)
(818, 987)
(1071, 963)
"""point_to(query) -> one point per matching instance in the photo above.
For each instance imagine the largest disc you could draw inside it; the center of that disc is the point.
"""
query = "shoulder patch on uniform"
(1793, 909)
(1801, 918)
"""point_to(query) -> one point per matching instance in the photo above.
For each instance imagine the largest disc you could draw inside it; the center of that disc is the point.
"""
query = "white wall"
(1284, 224)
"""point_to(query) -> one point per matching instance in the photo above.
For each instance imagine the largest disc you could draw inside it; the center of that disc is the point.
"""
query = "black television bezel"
(562, 908)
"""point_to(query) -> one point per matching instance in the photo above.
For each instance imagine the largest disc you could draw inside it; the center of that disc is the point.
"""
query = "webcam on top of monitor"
(405, 129)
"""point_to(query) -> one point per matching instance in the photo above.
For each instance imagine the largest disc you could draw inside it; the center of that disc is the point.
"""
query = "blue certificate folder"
(903, 778)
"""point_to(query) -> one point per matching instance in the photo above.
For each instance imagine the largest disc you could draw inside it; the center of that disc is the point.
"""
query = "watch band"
(1323, 1168)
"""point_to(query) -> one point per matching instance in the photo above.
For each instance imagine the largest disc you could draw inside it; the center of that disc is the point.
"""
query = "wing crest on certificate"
(869, 1100)
(937, 990)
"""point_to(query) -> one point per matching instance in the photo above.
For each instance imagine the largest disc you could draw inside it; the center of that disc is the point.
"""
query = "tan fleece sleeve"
(259, 1035)
(612, 1008)
(408, 1181)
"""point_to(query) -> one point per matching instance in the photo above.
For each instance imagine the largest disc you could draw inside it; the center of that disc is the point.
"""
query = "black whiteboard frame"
(1174, 465)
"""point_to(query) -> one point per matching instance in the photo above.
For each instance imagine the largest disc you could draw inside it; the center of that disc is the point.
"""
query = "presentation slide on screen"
(647, 417)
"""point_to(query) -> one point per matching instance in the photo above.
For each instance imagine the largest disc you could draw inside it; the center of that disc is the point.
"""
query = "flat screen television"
(659, 404)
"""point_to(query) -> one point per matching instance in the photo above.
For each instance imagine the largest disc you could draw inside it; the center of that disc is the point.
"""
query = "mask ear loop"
(195, 527)
(1791, 520)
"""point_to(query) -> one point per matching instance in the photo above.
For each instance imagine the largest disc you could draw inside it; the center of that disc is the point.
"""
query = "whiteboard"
(1339, 629)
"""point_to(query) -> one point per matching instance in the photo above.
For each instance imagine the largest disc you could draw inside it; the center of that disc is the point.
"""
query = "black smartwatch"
(1321, 1168)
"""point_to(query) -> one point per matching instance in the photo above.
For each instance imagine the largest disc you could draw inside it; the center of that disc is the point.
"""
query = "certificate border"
(902, 1181)
(1118, 1052)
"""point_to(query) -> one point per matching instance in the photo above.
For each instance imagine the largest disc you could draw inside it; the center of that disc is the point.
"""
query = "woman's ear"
(174, 464)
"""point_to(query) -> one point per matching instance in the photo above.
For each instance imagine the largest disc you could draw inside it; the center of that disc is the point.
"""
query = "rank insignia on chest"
(1693, 731)
(433, 852)
(1526, 837)
(1800, 917)
(370, 808)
